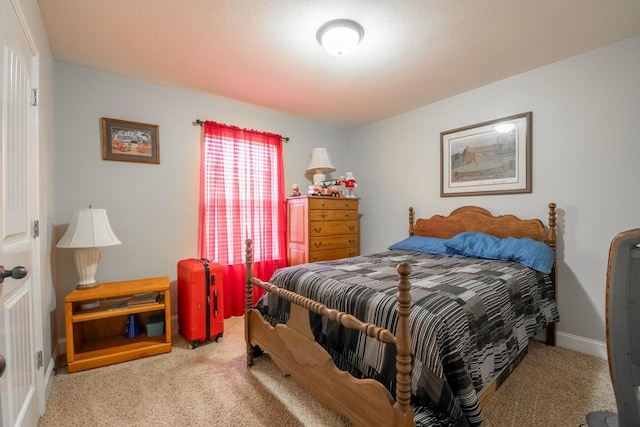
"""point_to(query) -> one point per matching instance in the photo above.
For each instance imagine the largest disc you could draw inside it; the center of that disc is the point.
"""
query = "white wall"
(586, 158)
(152, 208)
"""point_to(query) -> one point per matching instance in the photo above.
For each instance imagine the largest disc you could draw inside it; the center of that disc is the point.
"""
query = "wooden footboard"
(293, 348)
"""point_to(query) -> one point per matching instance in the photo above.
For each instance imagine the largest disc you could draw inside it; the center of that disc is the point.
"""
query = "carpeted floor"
(212, 386)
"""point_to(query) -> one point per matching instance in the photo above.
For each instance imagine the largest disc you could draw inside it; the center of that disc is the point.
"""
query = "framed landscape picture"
(487, 158)
(127, 141)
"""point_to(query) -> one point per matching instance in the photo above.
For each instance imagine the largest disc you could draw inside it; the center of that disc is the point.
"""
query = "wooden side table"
(96, 337)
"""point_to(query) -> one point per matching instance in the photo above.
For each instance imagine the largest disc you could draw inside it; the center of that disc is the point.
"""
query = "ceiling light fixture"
(340, 37)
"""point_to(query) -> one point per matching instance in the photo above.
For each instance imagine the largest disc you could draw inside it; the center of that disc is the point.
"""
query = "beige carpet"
(211, 386)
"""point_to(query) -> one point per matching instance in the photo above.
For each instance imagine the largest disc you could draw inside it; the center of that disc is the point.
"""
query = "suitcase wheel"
(193, 344)
(219, 338)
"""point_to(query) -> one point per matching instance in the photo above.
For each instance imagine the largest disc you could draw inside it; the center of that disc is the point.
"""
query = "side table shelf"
(96, 337)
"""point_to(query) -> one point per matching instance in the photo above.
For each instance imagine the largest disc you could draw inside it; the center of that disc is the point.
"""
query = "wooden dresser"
(322, 228)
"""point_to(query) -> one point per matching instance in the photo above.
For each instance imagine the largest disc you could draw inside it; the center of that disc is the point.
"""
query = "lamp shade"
(320, 164)
(89, 228)
(320, 161)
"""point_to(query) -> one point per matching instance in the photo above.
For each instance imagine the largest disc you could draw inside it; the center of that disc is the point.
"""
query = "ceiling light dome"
(340, 37)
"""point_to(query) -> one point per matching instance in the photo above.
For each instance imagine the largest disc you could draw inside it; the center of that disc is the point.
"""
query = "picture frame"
(126, 141)
(487, 158)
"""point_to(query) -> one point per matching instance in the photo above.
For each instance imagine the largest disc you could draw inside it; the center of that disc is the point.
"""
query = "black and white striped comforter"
(469, 319)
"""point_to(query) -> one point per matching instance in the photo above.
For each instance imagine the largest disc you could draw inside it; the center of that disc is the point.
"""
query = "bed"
(412, 336)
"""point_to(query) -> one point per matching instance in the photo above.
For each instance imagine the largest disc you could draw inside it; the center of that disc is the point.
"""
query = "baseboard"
(48, 375)
(583, 345)
(62, 342)
(174, 324)
(62, 346)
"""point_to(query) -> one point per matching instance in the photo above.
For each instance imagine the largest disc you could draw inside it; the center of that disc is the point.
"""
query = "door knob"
(14, 273)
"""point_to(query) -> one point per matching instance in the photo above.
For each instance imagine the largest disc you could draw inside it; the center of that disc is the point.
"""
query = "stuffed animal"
(350, 184)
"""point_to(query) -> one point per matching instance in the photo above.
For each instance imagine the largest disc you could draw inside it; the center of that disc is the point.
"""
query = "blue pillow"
(429, 245)
(529, 252)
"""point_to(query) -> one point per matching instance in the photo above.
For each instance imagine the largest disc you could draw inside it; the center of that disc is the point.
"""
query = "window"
(242, 197)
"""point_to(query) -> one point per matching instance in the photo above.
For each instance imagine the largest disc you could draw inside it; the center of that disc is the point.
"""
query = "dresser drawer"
(317, 256)
(333, 242)
(335, 215)
(329, 228)
(332, 203)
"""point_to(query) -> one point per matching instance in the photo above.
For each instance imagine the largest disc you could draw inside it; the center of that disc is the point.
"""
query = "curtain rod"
(200, 123)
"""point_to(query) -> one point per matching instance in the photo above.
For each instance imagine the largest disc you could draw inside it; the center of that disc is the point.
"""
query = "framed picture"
(487, 158)
(126, 141)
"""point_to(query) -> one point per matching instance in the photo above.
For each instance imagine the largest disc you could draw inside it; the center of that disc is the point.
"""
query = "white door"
(19, 385)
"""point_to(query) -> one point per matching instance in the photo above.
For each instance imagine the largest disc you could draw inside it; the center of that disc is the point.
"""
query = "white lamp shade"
(320, 161)
(340, 37)
(88, 228)
(320, 164)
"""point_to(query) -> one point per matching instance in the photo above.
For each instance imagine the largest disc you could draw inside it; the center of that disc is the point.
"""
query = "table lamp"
(89, 229)
(320, 164)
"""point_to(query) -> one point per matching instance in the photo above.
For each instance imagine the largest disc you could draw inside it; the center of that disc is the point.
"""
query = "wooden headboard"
(473, 218)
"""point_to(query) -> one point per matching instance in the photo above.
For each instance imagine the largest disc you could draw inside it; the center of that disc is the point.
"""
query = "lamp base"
(86, 261)
(87, 285)
(318, 178)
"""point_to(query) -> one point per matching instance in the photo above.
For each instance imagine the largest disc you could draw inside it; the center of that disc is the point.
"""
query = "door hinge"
(36, 229)
(35, 97)
(40, 361)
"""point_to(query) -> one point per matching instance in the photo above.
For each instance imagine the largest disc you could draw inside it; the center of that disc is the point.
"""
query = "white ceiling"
(265, 52)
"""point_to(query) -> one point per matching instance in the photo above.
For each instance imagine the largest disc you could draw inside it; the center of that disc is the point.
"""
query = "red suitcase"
(200, 306)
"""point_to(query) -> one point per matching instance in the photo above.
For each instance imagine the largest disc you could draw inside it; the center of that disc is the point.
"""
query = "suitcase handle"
(215, 303)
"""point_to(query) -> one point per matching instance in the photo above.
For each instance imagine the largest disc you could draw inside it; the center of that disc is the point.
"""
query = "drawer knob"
(351, 227)
(317, 229)
(317, 244)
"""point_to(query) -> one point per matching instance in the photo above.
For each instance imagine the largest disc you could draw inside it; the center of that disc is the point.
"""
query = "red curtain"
(241, 197)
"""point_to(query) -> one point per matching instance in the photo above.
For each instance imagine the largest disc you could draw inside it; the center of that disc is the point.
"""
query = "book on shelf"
(144, 299)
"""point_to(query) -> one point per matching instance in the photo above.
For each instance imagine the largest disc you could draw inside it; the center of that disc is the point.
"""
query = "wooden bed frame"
(366, 402)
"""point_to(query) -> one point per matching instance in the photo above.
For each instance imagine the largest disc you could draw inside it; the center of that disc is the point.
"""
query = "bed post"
(551, 240)
(248, 294)
(552, 235)
(411, 221)
(403, 409)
